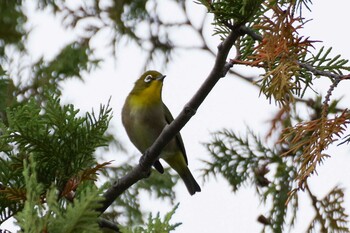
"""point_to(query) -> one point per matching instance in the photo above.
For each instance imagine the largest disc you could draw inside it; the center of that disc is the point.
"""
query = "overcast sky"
(232, 104)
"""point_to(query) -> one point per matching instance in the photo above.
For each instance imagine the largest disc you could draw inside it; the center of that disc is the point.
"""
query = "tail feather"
(191, 184)
(179, 164)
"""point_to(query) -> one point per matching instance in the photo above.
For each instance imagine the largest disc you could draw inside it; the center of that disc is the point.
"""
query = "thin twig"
(317, 72)
(314, 201)
(251, 33)
(310, 102)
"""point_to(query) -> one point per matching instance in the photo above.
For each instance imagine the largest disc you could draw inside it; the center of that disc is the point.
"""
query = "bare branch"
(142, 170)
(104, 223)
(319, 72)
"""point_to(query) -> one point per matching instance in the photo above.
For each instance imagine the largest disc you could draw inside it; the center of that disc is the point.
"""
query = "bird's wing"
(169, 118)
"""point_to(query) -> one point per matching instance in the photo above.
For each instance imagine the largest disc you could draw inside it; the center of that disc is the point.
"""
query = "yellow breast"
(148, 96)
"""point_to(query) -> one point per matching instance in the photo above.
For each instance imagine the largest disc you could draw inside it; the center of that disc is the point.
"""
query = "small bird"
(144, 116)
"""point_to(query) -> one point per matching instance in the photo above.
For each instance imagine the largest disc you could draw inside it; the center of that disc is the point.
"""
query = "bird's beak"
(161, 78)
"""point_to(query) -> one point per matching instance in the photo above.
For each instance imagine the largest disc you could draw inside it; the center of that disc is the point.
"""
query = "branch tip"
(220, 46)
(227, 67)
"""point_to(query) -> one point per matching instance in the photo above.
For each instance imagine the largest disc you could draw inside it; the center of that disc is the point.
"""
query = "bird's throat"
(147, 97)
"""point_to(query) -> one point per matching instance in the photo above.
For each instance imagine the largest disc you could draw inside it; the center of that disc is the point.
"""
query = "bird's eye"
(148, 78)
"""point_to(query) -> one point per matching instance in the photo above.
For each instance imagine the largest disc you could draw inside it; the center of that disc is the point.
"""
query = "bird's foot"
(142, 162)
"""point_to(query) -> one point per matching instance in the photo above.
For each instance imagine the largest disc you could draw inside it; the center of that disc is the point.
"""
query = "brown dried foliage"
(73, 183)
(311, 139)
(278, 122)
(279, 52)
(14, 194)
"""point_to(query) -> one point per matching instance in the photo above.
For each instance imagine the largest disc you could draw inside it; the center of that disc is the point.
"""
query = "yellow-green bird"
(144, 116)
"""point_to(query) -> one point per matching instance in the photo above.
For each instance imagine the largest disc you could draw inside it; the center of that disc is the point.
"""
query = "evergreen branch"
(79, 216)
(311, 139)
(315, 136)
(245, 160)
(330, 212)
(278, 54)
(322, 61)
(155, 224)
(316, 72)
(11, 189)
(142, 170)
(314, 201)
(238, 159)
(28, 219)
(311, 103)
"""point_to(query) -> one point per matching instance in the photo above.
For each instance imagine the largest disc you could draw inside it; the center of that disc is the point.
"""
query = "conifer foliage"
(48, 150)
(289, 65)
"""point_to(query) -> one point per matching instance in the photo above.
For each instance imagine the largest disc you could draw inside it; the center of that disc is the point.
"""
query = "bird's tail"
(179, 164)
(191, 184)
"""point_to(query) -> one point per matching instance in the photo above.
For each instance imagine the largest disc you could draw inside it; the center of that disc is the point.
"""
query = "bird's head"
(149, 86)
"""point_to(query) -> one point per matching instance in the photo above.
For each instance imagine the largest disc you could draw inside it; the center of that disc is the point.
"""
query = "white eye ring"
(148, 78)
